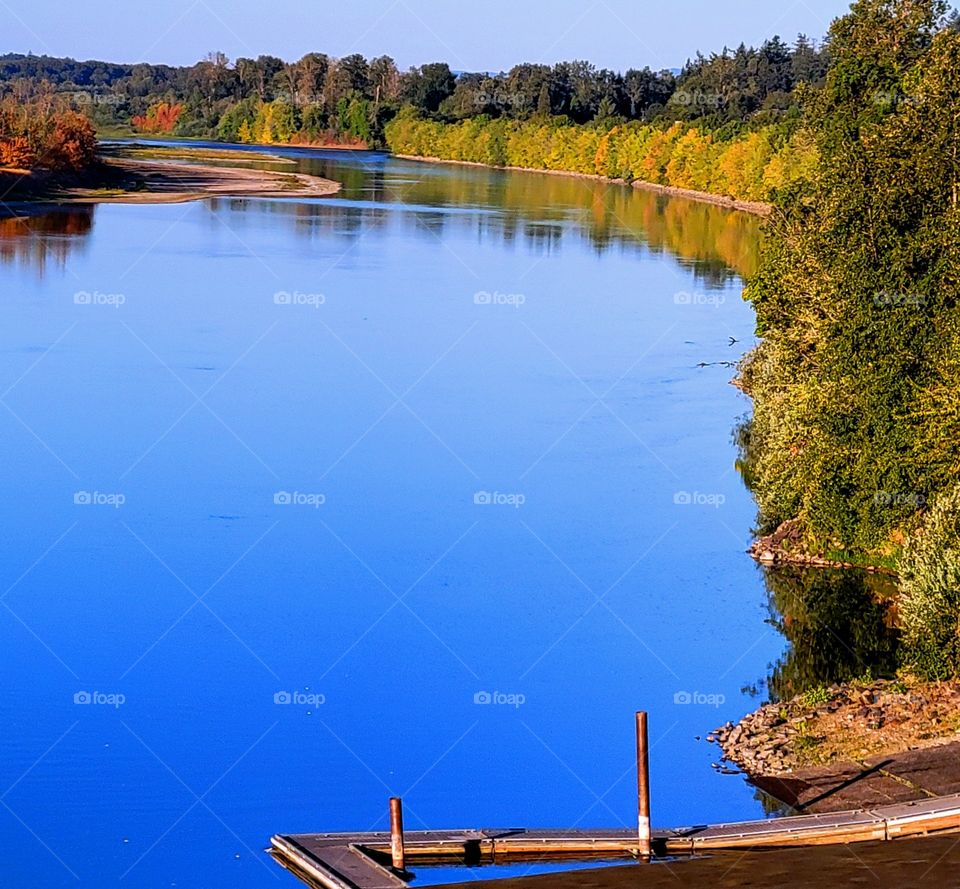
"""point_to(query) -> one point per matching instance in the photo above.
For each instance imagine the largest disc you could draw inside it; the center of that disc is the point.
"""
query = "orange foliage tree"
(45, 133)
(160, 118)
(17, 152)
(73, 144)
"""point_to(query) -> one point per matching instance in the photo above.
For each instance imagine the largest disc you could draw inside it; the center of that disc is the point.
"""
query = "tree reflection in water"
(839, 625)
(43, 237)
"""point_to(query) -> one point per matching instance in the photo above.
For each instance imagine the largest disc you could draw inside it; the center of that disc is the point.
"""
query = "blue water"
(185, 400)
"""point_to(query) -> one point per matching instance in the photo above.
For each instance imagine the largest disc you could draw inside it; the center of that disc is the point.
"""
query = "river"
(421, 489)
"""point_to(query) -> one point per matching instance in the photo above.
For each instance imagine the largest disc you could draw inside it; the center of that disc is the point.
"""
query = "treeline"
(752, 166)
(321, 99)
(856, 382)
(44, 133)
(728, 86)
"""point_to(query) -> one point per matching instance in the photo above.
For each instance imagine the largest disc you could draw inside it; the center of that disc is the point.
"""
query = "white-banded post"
(643, 789)
(396, 834)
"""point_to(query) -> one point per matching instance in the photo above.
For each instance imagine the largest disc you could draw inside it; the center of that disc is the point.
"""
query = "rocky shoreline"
(843, 723)
(785, 546)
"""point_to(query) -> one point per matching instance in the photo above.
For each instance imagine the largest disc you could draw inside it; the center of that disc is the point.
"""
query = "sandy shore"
(755, 207)
(169, 182)
(131, 180)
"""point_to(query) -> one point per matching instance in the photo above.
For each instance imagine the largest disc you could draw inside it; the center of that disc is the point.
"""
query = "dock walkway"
(362, 860)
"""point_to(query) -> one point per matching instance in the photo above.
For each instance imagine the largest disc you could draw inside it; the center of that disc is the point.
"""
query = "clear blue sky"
(489, 35)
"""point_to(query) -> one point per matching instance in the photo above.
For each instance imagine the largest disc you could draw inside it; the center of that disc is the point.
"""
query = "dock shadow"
(794, 792)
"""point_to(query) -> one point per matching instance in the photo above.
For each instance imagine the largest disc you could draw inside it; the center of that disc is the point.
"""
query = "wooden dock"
(363, 860)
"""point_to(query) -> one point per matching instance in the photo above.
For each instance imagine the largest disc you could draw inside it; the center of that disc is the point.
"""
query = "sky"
(487, 36)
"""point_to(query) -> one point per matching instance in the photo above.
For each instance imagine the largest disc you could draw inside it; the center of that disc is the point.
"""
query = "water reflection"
(296, 398)
(49, 235)
(839, 626)
(716, 244)
(538, 211)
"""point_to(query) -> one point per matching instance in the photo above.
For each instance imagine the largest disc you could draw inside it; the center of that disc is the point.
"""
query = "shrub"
(45, 133)
(73, 145)
(17, 152)
(930, 606)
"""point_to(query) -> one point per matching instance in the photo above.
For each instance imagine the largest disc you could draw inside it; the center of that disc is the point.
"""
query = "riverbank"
(125, 178)
(786, 546)
(132, 136)
(755, 207)
(836, 733)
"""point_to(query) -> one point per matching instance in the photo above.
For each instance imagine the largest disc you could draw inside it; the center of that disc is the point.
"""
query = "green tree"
(234, 118)
(857, 284)
(426, 87)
